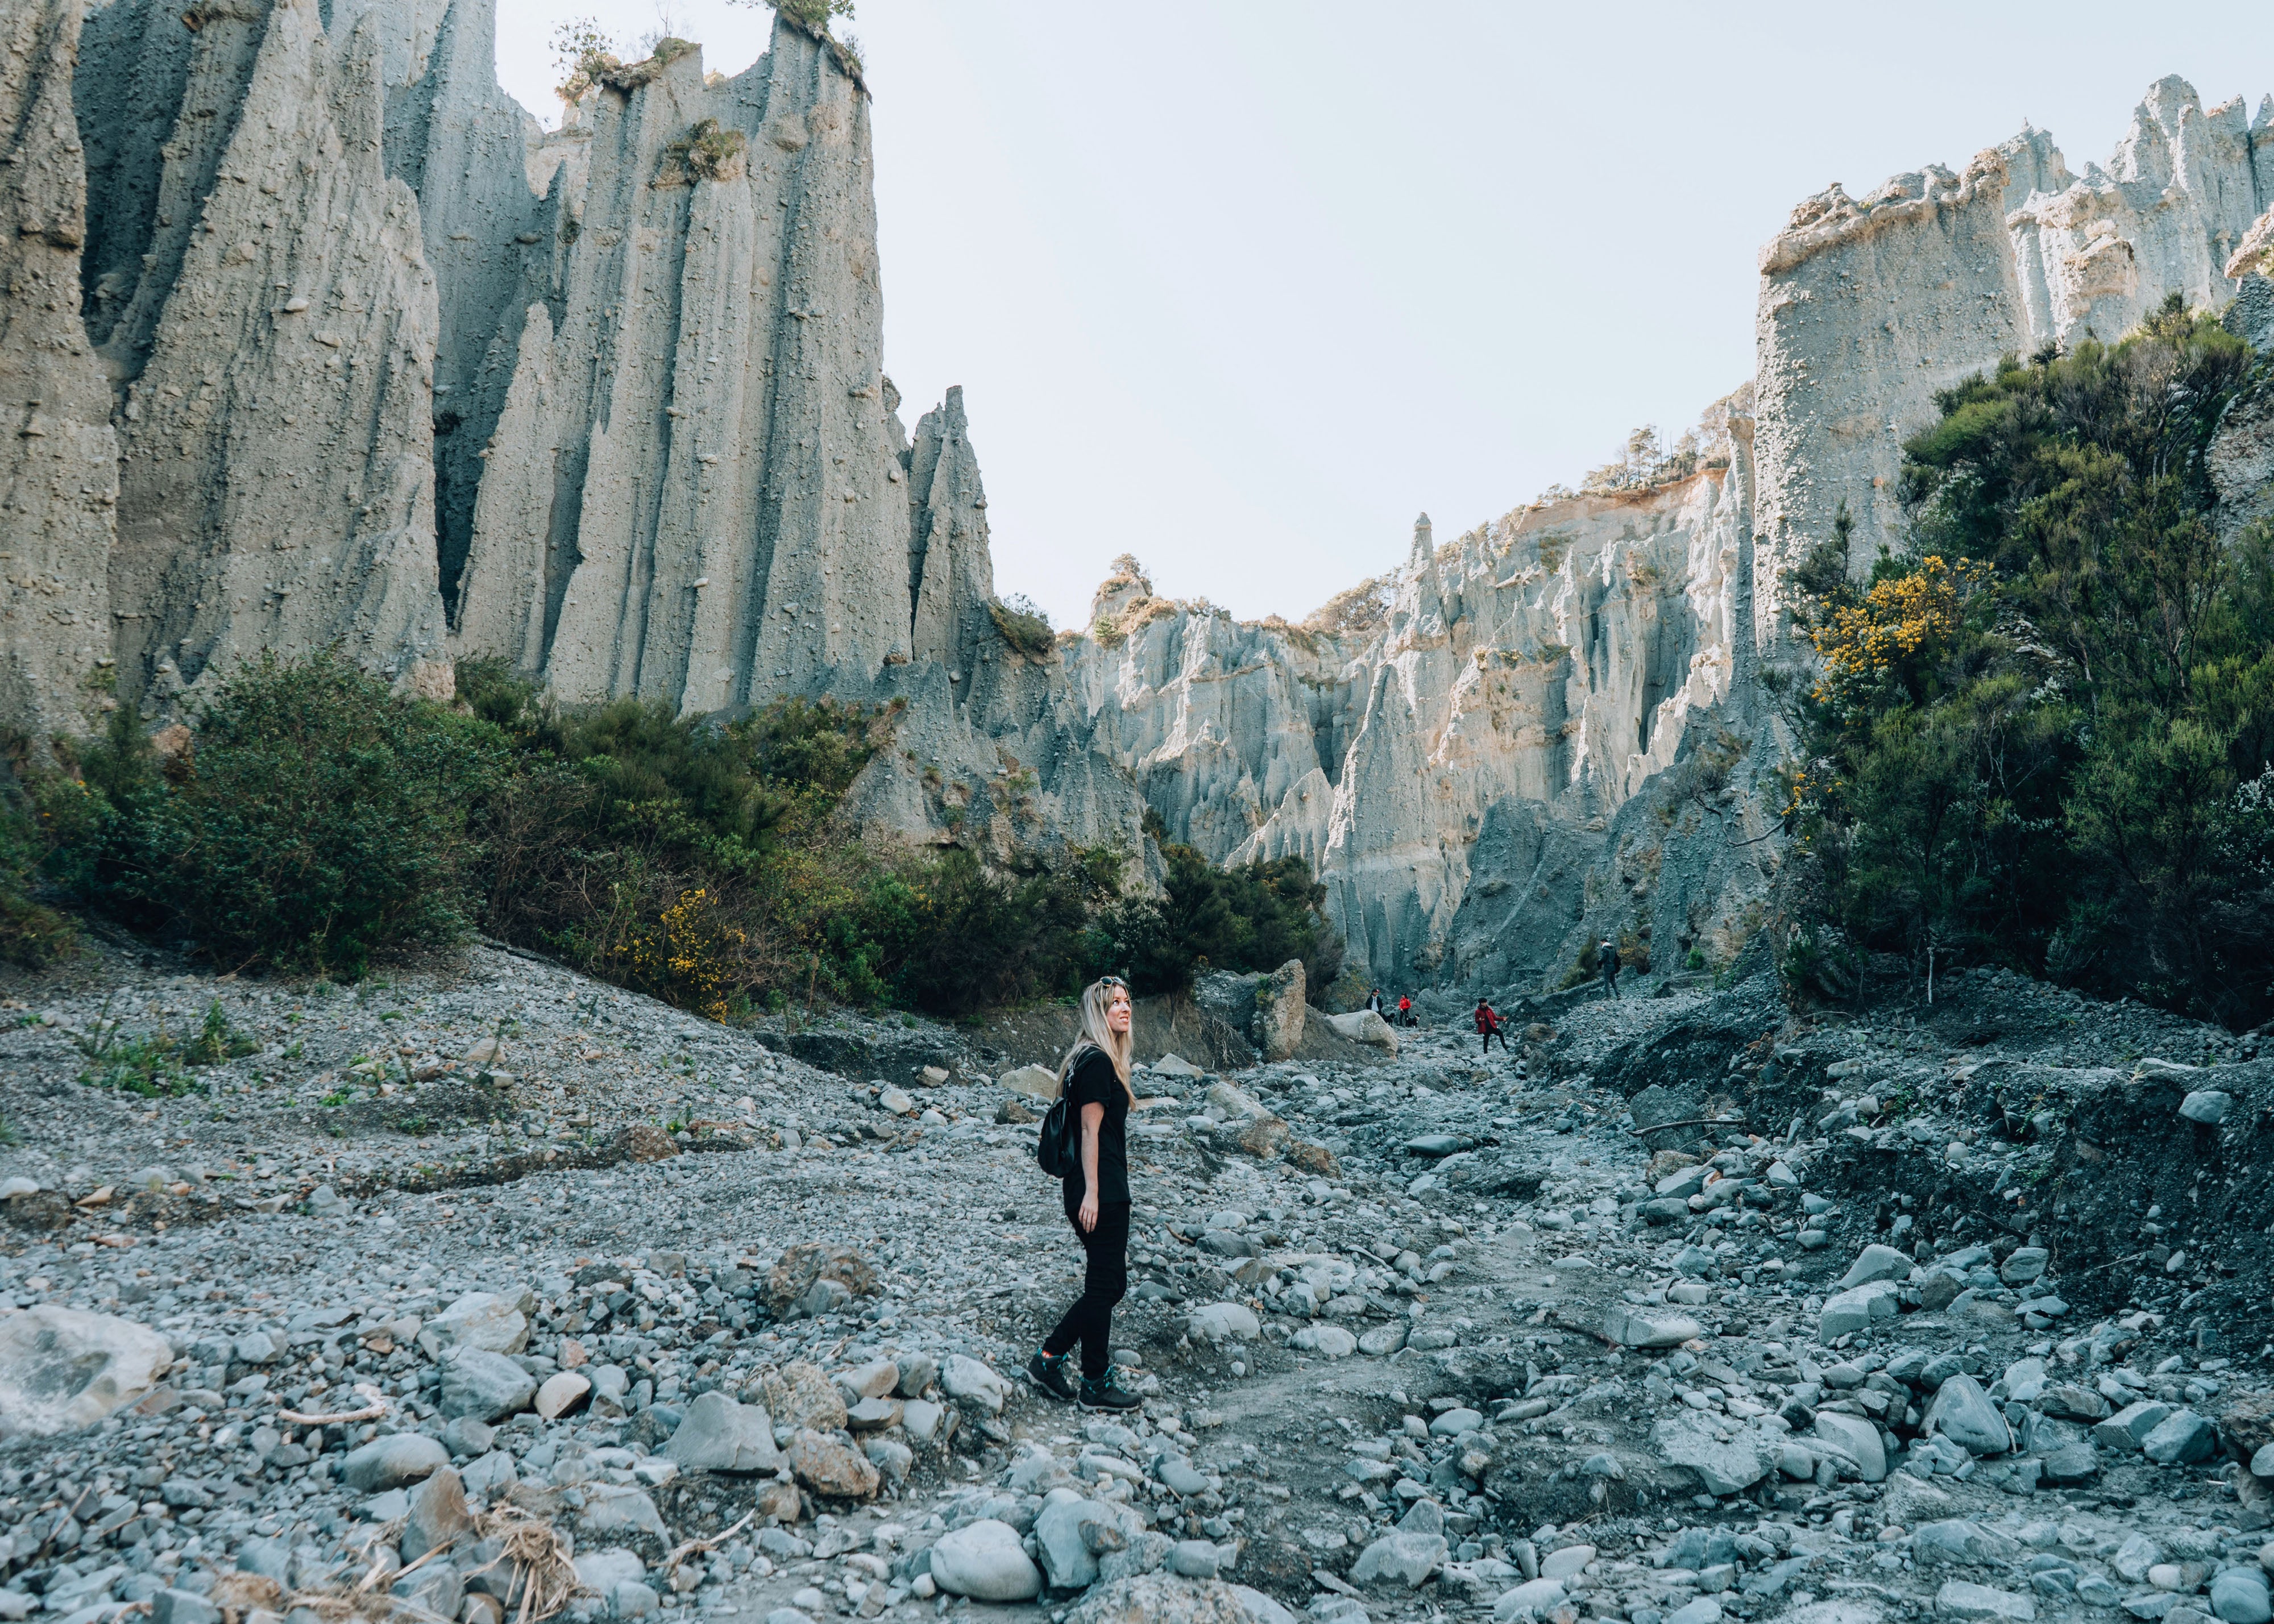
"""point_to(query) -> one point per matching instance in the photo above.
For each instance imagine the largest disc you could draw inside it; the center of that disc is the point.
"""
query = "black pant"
(1489, 1036)
(1104, 1281)
(1611, 983)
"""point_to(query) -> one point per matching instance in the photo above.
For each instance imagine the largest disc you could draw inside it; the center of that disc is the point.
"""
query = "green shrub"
(32, 934)
(315, 819)
(1255, 917)
(217, 1040)
(1023, 626)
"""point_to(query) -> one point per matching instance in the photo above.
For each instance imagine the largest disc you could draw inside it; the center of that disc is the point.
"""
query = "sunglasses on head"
(1112, 980)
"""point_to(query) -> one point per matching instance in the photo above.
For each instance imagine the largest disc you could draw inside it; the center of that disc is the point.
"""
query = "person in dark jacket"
(1607, 960)
(1095, 1079)
(1489, 1027)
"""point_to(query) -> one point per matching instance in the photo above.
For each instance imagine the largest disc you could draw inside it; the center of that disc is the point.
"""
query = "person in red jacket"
(1489, 1026)
(1406, 1015)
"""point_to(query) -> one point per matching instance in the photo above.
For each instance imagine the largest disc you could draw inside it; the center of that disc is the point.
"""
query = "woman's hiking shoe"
(1051, 1375)
(1106, 1392)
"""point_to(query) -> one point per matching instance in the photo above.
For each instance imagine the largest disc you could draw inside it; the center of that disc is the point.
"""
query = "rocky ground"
(483, 1291)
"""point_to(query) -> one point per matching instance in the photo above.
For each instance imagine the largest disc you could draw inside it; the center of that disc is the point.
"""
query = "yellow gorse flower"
(1863, 642)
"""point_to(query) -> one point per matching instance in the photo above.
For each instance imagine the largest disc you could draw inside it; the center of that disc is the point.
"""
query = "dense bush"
(2042, 735)
(32, 934)
(314, 820)
(1255, 917)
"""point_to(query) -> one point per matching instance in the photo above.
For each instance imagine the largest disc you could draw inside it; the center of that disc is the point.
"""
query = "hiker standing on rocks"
(1607, 960)
(1489, 1027)
(1405, 1014)
(1373, 1000)
(1094, 1081)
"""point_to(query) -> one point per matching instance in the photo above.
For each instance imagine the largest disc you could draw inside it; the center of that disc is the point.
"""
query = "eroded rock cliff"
(1868, 307)
(277, 485)
(58, 457)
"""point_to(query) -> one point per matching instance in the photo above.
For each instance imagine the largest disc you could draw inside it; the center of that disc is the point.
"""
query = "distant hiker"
(1607, 960)
(1405, 1014)
(1373, 1000)
(1094, 1084)
(1489, 1027)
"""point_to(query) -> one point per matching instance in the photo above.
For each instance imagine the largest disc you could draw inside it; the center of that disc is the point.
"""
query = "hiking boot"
(1106, 1392)
(1051, 1375)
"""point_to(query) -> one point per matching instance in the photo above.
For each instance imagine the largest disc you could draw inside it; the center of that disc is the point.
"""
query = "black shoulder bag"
(1058, 1146)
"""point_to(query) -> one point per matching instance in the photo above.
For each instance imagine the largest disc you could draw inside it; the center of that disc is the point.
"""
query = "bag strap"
(1080, 1052)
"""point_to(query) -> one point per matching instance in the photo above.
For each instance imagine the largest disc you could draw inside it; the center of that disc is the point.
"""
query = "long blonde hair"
(1097, 1033)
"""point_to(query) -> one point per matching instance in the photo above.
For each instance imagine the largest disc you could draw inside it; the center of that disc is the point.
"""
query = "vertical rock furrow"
(707, 572)
(277, 485)
(835, 533)
(463, 145)
(132, 74)
(590, 376)
(501, 606)
(58, 456)
(129, 294)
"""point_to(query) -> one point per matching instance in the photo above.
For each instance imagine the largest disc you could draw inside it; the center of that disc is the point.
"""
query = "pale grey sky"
(1242, 288)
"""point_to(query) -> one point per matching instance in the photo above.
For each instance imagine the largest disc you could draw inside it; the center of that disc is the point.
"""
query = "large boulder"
(1875, 1262)
(720, 1435)
(793, 1277)
(62, 1369)
(801, 1394)
(393, 1462)
(2180, 1439)
(1037, 1082)
(1856, 1308)
(974, 1382)
(1964, 1413)
(493, 1322)
(829, 1468)
(1070, 1535)
(1364, 1027)
(1165, 1599)
(1400, 1557)
(1218, 1322)
(1647, 1326)
(487, 1387)
(1722, 1466)
(1857, 1438)
(987, 1561)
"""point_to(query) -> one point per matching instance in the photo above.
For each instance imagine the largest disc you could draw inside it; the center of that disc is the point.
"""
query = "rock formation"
(704, 498)
(320, 341)
(951, 575)
(468, 151)
(1460, 732)
(59, 459)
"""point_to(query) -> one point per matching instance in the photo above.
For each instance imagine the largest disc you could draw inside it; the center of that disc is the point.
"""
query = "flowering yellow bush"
(688, 956)
(1864, 644)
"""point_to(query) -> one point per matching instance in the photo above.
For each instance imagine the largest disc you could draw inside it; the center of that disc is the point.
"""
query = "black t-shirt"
(1095, 1082)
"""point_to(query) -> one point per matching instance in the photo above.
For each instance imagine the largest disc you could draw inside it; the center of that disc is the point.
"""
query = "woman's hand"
(1087, 1214)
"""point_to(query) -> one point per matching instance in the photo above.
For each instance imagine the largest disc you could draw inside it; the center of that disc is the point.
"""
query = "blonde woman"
(1094, 1079)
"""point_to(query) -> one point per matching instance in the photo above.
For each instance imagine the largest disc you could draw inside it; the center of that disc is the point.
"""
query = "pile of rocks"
(1428, 1336)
